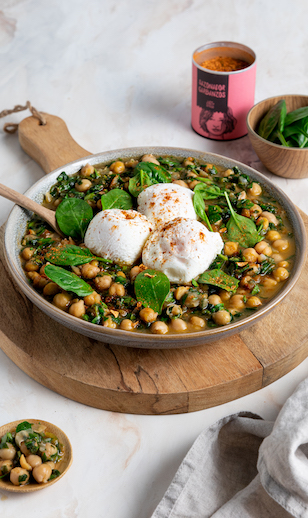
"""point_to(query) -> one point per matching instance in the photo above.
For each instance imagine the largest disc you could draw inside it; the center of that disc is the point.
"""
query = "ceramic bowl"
(280, 160)
(62, 466)
(16, 225)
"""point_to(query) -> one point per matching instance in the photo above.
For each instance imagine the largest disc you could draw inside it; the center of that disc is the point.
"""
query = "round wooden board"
(141, 381)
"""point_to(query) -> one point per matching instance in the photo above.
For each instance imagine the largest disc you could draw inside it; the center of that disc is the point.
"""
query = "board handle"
(50, 145)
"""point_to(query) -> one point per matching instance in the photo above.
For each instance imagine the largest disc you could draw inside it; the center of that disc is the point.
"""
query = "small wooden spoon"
(21, 200)
(63, 465)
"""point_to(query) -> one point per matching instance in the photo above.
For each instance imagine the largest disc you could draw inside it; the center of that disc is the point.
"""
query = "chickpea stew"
(256, 258)
(30, 453)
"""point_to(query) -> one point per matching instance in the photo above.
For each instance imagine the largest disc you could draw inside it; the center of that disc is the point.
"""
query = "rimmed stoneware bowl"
(16, 225)
(62, 466)
(280, 160)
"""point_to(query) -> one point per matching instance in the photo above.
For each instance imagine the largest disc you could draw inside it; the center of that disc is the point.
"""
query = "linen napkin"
(245, 467)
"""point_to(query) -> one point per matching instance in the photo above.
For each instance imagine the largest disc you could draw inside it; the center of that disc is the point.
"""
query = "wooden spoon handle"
(25, 202)
(50, 145)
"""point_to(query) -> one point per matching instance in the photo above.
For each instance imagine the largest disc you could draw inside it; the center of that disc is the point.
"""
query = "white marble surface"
(119, 74)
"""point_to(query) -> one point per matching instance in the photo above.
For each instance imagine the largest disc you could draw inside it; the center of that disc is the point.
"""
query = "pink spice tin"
(221, 100)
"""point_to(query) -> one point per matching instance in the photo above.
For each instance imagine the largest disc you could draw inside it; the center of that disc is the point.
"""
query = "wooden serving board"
(141, 381)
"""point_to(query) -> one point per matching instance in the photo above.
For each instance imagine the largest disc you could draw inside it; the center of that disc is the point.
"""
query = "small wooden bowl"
(280, 160)
(62, 466)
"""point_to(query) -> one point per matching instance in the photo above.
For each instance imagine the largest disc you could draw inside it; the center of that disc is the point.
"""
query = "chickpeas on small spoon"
(26, 203)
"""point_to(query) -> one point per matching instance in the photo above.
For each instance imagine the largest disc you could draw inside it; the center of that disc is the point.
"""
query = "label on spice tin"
(221, 101)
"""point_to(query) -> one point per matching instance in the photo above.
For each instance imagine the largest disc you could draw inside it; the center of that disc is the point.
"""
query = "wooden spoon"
(63, 465)
(21, 200)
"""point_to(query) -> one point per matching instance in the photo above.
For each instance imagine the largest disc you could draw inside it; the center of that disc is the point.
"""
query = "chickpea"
(148, 315)
(27, 253)
(247, 282)
(222, 317)
(57, 202)
(134, 272)
(174, 310)
(191, 174)
(89, 271)
(51, 289)
(180, 291)
(215, 299)
(263, 248)
(103, 282)
(264, 222)
(40, 282)
(197, 322)
(224, 295)
(231, 248)
(188, 161)
(280, 245)
(77, 309)
(116, 289)
(268, 282)
(121, 274)
(250, 255)
(159, 328)
(109, 323)
(192, 300)
(83, 185)
(280, 274)
(255, 189)
(8, 453)
(253, 302)
(127, 325)
(193, 184)
(284, 264)
(87, 170)
(271, 217)
(93, 298)
(48, 449)
(5, 467)
(227, 173)
(32, 275)
(272, 235)
(117, 167)
(178, 325)
(62, 300)
(23, 448)
(34, 460)
(255, 211)
(42, 473)
(242, 196)
(16, 476)
(31, 266)
(182, 183)
(237, 301)
(150, 158)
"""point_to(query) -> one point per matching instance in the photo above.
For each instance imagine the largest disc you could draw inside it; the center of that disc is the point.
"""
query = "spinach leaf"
(152, 288)
(23, 426)
(219, 278)
(157, 173)
(147, 174)
(275, 116)
(117, 199)
(296, 115)
(71, 255)
(241, 229)
(199, 207)
(139, 182)
(73, 217)
(67, 280)
(209, 192)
